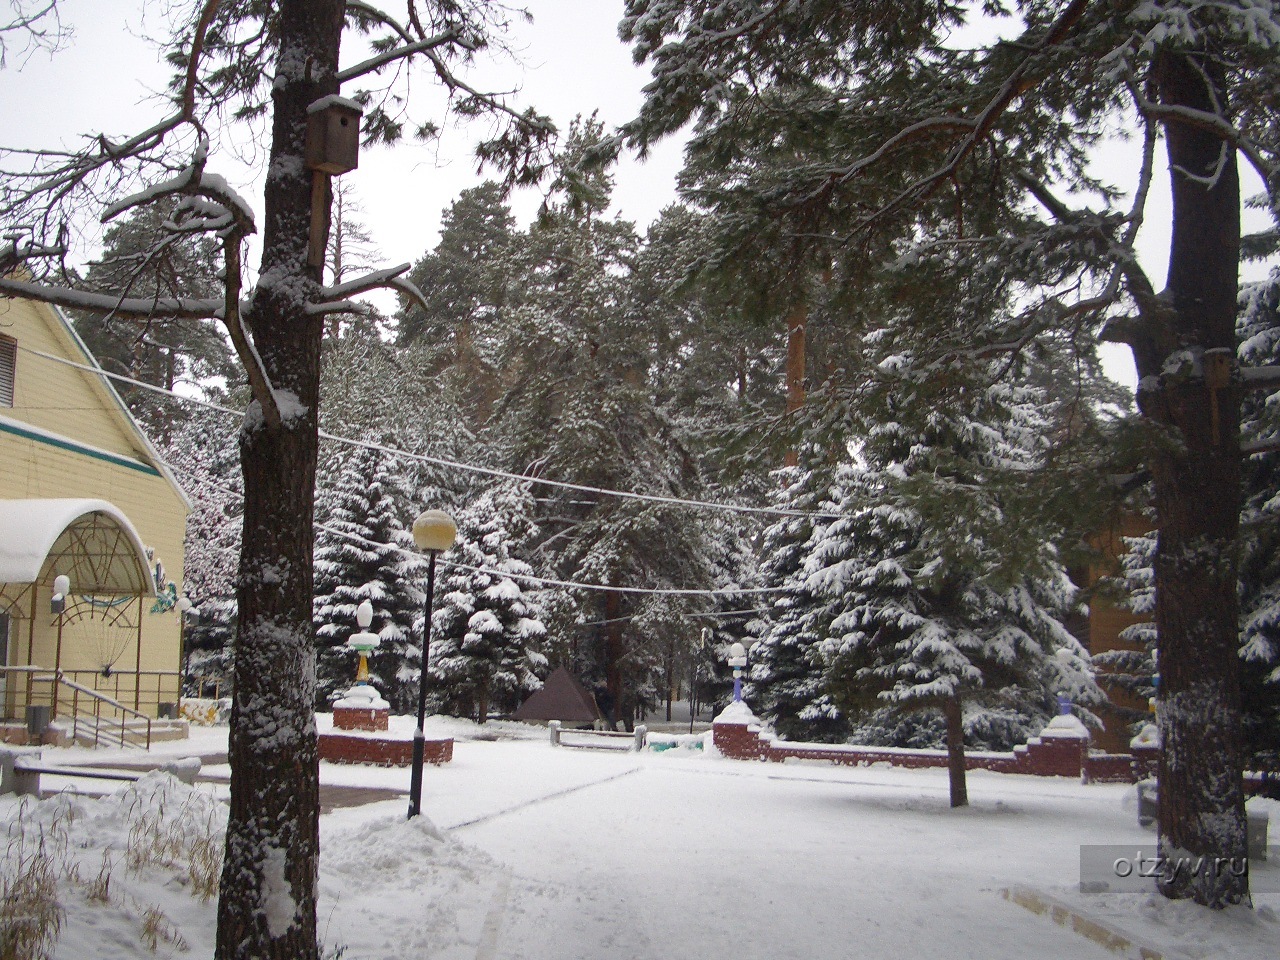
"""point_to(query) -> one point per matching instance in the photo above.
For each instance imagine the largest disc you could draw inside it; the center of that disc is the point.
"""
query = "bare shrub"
(158, 928)
(99, 889)
(30, 914)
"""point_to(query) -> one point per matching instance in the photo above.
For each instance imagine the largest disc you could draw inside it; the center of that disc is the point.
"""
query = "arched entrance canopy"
(91, 541)
(94, 545)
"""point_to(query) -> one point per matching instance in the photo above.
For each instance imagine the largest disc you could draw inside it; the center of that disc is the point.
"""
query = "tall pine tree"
(906, 146)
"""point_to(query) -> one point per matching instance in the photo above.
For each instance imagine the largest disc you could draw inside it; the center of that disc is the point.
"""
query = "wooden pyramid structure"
(563, 698)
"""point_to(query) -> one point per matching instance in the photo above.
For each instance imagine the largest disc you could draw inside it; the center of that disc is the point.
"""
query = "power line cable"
(532, 578)
(457, 464)
(551, 582)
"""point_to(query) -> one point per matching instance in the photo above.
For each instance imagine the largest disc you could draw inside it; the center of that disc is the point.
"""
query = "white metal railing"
(132, 733)
(599, 739)
(93, 714)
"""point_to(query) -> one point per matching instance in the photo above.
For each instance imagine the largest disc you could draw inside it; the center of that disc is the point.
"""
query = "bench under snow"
(20, 771)
(599, 739)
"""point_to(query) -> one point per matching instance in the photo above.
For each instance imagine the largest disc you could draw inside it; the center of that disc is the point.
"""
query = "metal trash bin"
(37, 719)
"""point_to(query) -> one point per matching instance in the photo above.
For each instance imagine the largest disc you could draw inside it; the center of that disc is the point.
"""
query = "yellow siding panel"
(54, 396)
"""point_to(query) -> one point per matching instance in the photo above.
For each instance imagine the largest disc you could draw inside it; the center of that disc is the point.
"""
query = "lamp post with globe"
(434, 532)
(363, 642)
(737, 659)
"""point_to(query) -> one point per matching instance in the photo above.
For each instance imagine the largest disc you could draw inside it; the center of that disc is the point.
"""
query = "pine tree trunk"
(796, 321)
(266, 905)
(955, 751)
(1197, 492)
(613, 651)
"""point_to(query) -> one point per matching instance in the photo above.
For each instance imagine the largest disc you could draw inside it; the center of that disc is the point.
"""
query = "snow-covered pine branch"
(335, 298)
(406, 52)
(144, 307)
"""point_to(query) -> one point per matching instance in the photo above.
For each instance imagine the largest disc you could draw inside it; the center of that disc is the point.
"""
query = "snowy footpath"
(529, 852)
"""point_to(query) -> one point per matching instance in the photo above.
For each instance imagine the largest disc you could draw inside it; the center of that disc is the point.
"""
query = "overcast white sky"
(572, 61)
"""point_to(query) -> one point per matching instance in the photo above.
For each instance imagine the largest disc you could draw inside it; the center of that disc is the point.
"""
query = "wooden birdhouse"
(333, 135)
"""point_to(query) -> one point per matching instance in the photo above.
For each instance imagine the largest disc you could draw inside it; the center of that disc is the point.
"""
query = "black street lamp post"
(433, 531)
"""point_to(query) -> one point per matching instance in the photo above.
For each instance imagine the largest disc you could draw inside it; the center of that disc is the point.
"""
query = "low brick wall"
(1110, 768)
(1146, 761)
(1046, 756)
(381, 751)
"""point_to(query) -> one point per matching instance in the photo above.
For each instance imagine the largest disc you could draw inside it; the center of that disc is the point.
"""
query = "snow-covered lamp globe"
(737, 659)
(362, 707)
(364, 642)
(434, 531)
(61, 587)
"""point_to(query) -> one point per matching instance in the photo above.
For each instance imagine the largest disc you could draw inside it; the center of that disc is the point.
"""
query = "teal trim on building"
(85, 451)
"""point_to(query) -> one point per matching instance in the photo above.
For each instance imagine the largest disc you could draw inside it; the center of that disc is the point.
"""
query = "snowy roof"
(91, 541)
(562, 697)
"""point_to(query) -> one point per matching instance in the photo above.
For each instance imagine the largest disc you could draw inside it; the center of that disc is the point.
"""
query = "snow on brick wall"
(1047, 757)
(383, 752)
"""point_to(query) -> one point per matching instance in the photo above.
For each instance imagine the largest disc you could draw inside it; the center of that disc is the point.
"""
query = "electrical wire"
(457, 464)
(531, 578)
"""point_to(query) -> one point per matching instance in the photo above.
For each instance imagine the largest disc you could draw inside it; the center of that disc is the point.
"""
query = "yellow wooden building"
(83, 495)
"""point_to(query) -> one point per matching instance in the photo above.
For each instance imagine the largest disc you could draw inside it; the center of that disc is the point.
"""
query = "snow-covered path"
(590, 855)
(693, 860)
(530, 852)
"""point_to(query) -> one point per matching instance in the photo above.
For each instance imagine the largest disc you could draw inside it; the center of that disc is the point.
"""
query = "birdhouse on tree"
(333, 135)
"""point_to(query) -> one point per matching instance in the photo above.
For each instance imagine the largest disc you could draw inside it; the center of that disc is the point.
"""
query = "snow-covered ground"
(538, 853)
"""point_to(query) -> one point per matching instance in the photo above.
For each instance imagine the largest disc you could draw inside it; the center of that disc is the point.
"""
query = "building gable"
(56, 403)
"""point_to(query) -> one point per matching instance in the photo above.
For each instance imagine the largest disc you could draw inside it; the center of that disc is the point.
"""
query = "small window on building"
(8, 365)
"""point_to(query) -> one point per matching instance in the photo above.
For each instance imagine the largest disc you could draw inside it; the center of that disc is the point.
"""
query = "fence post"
(642, 733)
(554, 727)
(7, 757)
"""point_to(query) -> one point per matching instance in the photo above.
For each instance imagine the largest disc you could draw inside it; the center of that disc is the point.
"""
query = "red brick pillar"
(736, 733)
(1060, 750)
(1145, 748)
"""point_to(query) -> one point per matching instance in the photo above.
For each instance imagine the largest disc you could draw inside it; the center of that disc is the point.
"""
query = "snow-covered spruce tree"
(949, 592)
(1133, 670)
(486, 637)
(200, 449)
(1260, 529)
(364, 552)
(895, 131)
(786, 683)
